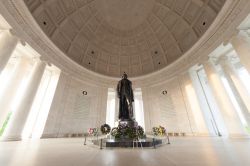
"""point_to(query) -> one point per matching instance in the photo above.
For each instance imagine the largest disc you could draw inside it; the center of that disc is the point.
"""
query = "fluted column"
(206, 113)
(234, 81)
(8, 44)
(229, 114)
(242, 48)
(19, 117)
(9, 93)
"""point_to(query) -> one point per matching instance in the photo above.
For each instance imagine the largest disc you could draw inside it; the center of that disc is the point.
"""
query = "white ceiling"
(133, 36)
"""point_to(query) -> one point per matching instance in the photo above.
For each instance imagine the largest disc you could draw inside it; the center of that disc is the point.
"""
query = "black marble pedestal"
(129, 123)
(124, 139)
(148, 142)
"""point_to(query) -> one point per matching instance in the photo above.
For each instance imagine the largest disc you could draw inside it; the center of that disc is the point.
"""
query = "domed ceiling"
(133, 36)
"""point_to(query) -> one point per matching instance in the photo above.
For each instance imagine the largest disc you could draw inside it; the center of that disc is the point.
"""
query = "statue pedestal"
(130, 123)
(130, 143)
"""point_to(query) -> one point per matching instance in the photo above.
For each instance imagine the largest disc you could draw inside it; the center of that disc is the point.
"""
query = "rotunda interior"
(188, 62)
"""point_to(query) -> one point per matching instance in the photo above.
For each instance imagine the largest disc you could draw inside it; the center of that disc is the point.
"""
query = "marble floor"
(191, 151)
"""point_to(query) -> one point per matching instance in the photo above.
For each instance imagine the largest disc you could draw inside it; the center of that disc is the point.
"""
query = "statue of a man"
(126, 96)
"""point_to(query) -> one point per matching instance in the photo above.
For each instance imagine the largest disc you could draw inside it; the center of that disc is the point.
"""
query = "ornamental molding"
(223, 27)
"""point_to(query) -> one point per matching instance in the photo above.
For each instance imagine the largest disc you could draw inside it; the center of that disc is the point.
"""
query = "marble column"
(228, 112)
(233, 80)
(9, 93)
(242, 48)
(8, 44)
(203, 114)
(19, 117)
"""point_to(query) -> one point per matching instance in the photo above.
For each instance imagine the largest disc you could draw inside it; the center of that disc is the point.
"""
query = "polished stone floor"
(191, 151)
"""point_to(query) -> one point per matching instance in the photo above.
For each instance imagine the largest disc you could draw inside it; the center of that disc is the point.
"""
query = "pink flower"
(91, 131)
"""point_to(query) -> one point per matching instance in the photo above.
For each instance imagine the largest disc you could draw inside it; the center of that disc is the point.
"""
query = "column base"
(238, 135)
(12, 138)
(44, 136)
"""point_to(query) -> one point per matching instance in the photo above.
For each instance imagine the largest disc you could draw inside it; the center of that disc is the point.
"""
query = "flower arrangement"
(130, 132)
(159, 131)
(124, 131)
(140, 132)
(93, 131)
(115, 132)
(105, 129)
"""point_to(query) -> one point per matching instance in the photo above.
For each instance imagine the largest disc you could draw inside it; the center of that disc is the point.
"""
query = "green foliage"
(116, 133)
(5, 124)
(247, 129)
(127, 132)
(140, 132)
(130, 132)
(93, 131)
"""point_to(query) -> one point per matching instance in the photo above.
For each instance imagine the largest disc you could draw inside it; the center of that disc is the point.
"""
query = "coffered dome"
(133, 36)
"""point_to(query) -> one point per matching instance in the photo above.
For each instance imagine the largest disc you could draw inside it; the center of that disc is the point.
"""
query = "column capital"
(240, 37)
(233, 58)
(204, 59)
(11, 33)
(241, 46)
(227, 65)
(228, 38)
(212, 60)
(38, 60)
(222, 60)
(8, 45)
(246, 31)
(225, 60)
(18, 36)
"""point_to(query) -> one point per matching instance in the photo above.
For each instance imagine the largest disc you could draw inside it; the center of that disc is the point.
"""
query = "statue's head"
(124, 76)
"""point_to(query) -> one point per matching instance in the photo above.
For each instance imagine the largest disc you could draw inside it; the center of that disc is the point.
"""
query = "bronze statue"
(126, 97)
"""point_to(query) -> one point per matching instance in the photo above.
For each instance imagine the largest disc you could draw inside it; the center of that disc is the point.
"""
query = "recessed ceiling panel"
(135, 36)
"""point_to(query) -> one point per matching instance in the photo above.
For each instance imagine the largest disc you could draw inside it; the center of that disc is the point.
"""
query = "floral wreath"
(116, 132)
(140, 132)
(93, 131)
(159, 131)
(105, 129)
(121, 131)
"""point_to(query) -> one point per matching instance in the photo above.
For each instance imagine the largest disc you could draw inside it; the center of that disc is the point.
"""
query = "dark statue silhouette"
(126, 97)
